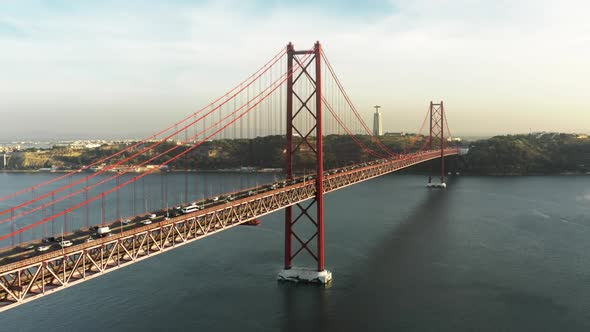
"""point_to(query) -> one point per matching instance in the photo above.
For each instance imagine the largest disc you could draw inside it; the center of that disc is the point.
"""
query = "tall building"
(377, 123)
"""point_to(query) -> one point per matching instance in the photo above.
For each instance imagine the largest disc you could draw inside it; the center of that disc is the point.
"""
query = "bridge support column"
(437, 137)
(305, 132)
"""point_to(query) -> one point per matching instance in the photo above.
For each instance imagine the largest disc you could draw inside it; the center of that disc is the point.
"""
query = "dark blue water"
(487, 254)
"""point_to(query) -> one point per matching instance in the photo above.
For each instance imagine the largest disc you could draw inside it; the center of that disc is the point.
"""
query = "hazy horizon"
(80, 70)
(137, 138)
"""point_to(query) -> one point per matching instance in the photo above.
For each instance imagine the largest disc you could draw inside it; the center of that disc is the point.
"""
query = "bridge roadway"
(26, 275)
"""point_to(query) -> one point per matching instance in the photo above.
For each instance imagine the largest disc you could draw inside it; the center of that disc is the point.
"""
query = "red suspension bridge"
(296, 95)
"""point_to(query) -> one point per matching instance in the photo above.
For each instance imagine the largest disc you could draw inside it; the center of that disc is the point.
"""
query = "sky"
(123, 69)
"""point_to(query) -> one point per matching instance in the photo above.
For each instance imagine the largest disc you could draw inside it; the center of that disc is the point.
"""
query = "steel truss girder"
(31, 278)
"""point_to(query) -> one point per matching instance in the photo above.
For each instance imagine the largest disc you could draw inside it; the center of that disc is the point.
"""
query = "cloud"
(11, 30)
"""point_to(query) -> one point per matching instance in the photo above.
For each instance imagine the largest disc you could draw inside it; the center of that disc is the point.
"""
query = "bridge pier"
(436, 185)
(302, 274)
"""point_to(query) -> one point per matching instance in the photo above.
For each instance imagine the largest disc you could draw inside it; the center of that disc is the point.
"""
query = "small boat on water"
(253, 222)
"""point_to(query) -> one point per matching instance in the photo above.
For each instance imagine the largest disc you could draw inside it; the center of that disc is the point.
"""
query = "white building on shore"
(377, 122)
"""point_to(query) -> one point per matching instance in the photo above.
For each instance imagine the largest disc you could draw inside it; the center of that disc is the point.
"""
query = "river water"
(486, 254)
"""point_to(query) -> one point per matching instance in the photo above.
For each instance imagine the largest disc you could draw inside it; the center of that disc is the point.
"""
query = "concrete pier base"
(436, 185)
(300, 274)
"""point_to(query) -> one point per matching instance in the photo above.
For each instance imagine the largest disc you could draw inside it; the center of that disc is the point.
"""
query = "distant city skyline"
(112, 70)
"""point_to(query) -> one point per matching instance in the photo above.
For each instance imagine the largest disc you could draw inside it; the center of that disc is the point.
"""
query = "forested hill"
(262, 152)
(551, 153)
(500, 155)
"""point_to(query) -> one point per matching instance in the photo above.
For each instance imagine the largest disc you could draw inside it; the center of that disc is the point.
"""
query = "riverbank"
(32, 171)
(265, 170)
(500, 155)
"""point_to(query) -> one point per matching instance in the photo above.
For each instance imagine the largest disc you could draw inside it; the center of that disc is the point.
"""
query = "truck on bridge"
(103, 231)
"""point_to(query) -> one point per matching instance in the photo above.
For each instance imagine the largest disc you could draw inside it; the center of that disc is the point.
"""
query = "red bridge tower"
(437, 136)
(305, 132)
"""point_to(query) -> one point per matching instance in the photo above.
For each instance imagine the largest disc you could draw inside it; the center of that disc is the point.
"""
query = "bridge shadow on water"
(393, 268)
(430, 274)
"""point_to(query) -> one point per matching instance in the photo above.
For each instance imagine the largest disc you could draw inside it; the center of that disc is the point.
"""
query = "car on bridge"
(66, 243)
(43, 248)
(172, 213)
(191, 208)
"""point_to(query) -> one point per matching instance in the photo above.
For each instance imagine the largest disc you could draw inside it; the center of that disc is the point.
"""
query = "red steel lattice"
(437, 131)
(315, 145)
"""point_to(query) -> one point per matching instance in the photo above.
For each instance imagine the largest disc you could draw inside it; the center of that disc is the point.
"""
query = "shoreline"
(33, 171)
(36, 171)
(30, 171)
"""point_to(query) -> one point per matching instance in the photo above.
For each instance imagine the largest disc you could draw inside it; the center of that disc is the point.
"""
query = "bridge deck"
(23, 278)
